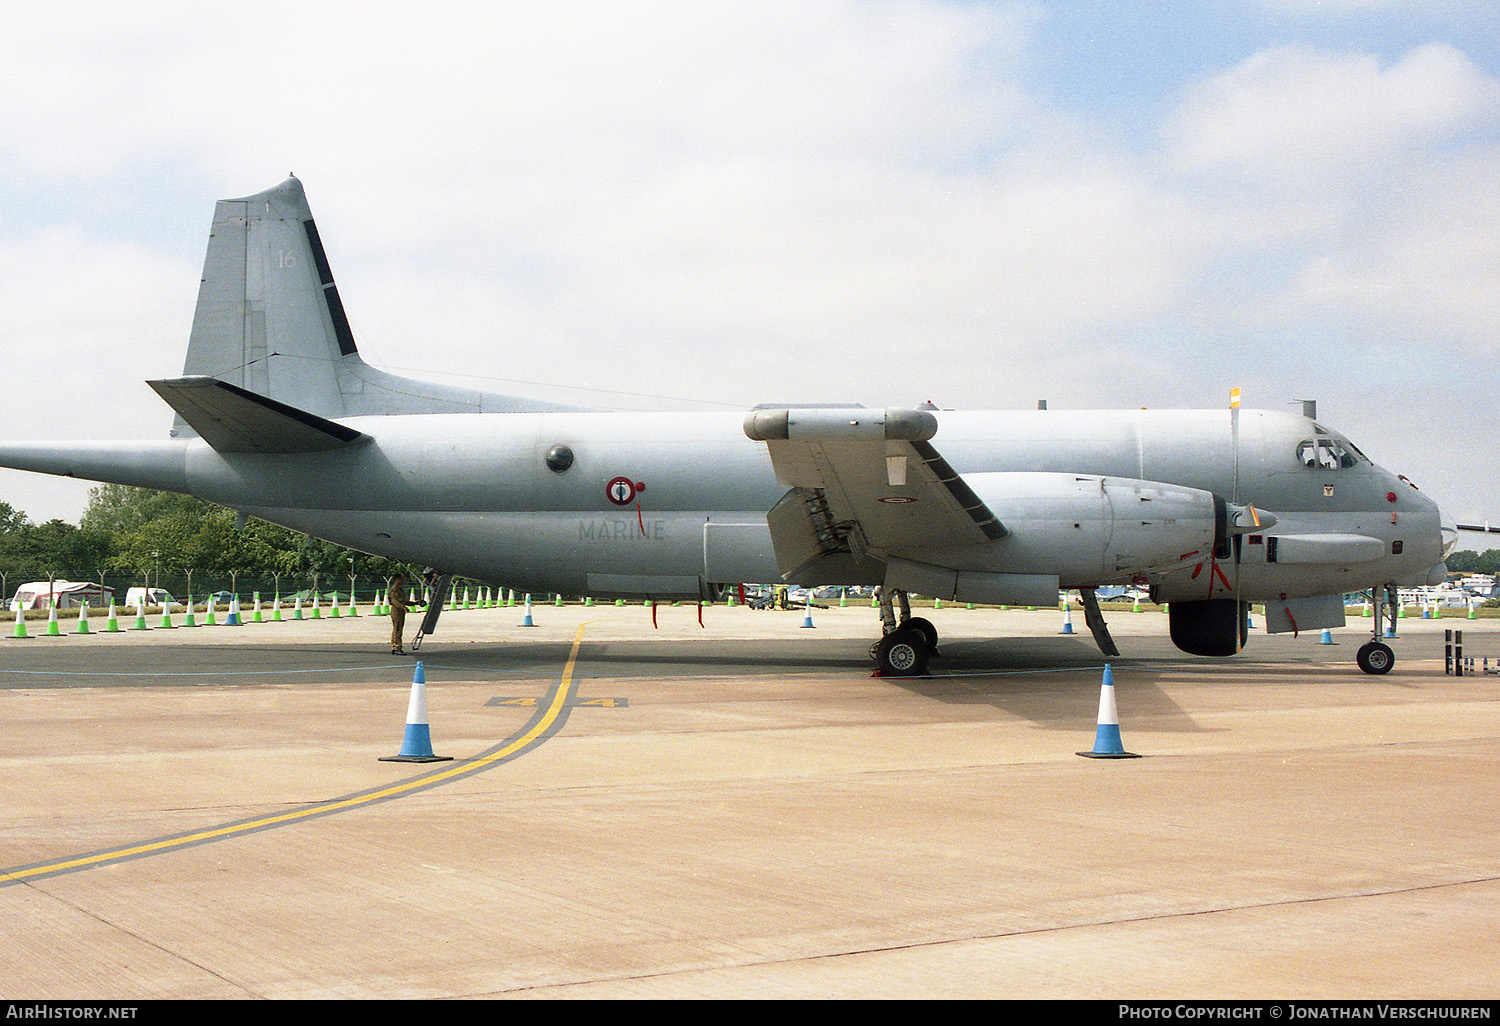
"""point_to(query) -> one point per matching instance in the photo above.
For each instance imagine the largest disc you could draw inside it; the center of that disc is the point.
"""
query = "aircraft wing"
(864, 480)
(233, 419)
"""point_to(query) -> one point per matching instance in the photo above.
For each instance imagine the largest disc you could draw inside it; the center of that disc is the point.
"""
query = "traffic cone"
(189, 620)
(1067, 619)
(276, 606)
(234, 611)
(83, 618)
(333, 610)
(527, 621)
(807, 615)
(53, 631)
(1107, 743)
(1327, 638)
(255, 616)
(20, 631)
(416, 746)
(140, 617)
(166, 616)
(112, 623)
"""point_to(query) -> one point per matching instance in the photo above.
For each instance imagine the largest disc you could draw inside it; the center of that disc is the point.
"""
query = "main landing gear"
(907, 644)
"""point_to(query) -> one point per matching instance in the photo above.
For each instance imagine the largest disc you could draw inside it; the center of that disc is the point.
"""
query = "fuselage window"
(1325, 454)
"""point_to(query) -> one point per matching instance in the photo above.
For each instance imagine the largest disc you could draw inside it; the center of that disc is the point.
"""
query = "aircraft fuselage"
(665, 504)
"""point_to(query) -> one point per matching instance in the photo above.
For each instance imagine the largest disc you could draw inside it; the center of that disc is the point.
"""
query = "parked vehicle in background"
(66, 594)
(150, 597)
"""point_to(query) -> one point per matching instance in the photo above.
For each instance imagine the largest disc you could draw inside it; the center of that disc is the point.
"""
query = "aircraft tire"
(1375, 657)
(925, 628)
(902, 653)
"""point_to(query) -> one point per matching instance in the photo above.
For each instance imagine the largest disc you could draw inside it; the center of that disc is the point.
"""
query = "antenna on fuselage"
(1234, 439)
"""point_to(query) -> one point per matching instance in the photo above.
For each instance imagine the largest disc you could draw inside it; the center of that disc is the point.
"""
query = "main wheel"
(902, 653)
(925, 628)
(1375, 657)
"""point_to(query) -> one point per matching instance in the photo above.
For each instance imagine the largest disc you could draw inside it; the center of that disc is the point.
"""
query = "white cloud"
(1292, 111)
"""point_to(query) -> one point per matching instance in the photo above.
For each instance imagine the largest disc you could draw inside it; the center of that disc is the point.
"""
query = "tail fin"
(269, 320)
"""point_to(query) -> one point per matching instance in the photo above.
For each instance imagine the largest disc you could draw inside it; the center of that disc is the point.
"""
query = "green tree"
(53, 549)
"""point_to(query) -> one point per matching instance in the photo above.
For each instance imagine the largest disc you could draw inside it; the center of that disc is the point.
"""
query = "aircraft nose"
(1447, 533)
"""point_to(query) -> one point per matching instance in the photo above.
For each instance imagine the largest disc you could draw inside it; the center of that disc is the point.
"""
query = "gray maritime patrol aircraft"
(279, 418)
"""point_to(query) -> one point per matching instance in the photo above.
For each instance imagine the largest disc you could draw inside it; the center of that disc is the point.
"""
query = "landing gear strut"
(1375, 656)
(907, 644)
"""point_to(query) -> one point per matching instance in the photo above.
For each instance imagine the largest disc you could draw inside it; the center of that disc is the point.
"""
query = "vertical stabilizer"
(269, 319)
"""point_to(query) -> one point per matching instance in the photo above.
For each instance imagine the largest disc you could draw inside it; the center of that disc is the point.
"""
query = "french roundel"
(621, 491)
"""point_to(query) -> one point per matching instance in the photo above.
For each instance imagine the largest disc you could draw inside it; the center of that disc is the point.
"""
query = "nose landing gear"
(1375, 656)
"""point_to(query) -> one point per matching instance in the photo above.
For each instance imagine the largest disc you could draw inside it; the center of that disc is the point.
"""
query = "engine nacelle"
(1215, 627)
(1089, 530)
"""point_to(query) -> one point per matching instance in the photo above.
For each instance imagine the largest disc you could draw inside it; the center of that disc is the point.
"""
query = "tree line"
(129, 536)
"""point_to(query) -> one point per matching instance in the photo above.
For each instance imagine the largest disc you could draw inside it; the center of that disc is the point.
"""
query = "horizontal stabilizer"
(233, 419)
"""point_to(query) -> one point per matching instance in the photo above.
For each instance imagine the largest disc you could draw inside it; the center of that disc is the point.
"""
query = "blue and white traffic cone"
(1067, 619)
(1327, 638)
(807, 613)
(526, 621)
(417, 744)
(1107, 743)
(234, 611)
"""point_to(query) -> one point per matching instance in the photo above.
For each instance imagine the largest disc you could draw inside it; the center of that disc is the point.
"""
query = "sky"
(687, 205)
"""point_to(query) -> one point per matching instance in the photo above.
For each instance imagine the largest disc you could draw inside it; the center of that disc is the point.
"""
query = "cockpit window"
(1325, 453)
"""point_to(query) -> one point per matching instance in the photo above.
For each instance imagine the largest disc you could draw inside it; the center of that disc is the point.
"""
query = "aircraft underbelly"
(583, 552)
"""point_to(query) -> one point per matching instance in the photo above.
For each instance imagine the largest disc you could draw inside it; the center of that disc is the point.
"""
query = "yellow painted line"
(537, 731)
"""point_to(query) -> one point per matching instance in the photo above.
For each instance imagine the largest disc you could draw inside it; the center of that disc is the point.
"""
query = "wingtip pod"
(785, 424)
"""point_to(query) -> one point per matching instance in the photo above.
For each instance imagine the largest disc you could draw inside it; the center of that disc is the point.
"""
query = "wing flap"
(865, 480)
(234, 419)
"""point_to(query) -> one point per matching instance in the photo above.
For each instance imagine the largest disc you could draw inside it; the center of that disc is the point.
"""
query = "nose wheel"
(1375, 657)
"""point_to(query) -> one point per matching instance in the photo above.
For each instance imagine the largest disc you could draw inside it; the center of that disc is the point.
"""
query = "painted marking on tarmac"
(529, 701)
(551, 715)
